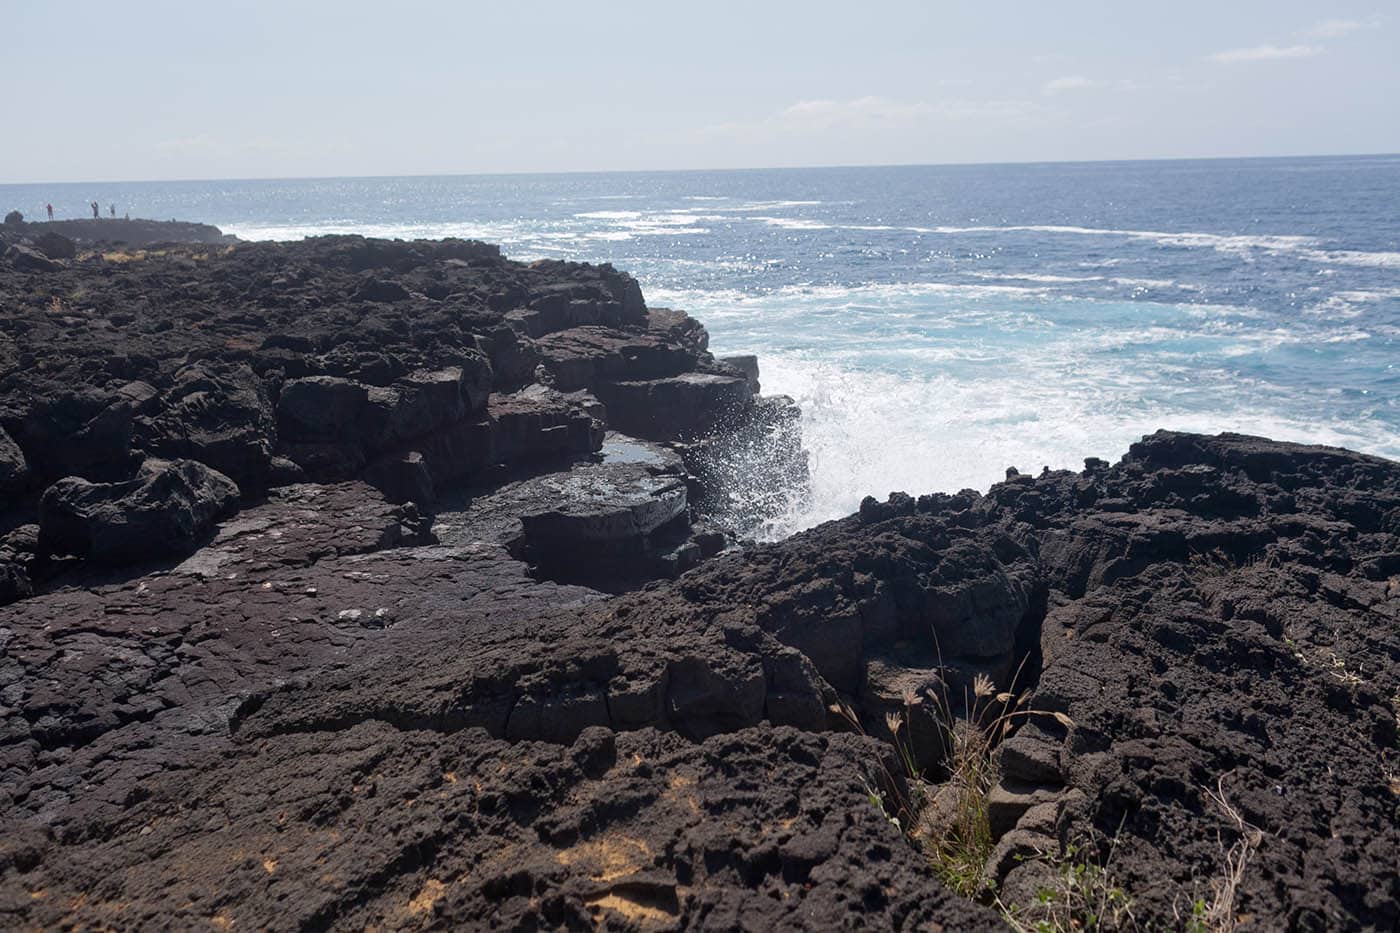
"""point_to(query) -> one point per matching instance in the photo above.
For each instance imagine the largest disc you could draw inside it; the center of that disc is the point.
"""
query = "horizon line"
(737, 169)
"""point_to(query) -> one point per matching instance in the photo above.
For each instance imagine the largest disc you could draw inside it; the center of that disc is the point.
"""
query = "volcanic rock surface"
(56, 238)
(420, 678)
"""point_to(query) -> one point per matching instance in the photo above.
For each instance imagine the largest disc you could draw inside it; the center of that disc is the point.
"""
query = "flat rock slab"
(633, 488)
(374, 827)
(603, 504)
(309, 580)
(681, 407)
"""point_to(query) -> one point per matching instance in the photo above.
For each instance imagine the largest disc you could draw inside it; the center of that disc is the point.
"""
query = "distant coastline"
(128, 232)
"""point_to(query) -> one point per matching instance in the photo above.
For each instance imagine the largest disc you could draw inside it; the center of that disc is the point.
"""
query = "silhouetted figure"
(49, 208)
(96, 211)
(113, 209)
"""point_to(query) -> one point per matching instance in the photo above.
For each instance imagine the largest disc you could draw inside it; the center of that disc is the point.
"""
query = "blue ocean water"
(938, 324)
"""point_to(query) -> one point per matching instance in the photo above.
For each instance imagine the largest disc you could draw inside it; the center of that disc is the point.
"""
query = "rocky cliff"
(367, 584)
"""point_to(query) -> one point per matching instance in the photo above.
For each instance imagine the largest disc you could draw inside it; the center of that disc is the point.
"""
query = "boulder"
(580, 357)
(14, 469)
(681, 407)
(411, 407)
(679, 328)
(220, 416)
(319, 407)
(611, 526)
(165, 511)
(478, 377)
(402, 478)
(14, 219)
(604, 505)
(376, 289)
(747, 366)
(14, 581)
(28, 259)
(538, 423)
(55, 245)
(85, 432)
(17, 551)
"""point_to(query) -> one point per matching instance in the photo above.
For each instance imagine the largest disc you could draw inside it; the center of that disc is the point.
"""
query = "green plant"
(1196, 922)
(1081, 894)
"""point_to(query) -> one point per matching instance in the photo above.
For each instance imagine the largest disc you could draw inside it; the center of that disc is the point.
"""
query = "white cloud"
(1336, 28)
(1265, 53)
(822, 114)
(1067, 83)
(872, 113)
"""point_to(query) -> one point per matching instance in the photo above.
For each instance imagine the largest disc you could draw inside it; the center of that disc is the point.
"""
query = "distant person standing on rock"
(49, 208)
(96, 211)
(113, 209)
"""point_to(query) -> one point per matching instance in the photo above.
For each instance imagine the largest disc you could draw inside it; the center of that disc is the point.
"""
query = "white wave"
(1152, 283)
(1305, 247)
(1336, 307)
(1354, 258)
(609, 215)
(627, 224)
(871, 433)
(751, 206)
(839, 295)
(1370, 294)
(669, 219)
(788, 223)
(291, 231)
(1226, 242)
(666, 230)
(1033, 277)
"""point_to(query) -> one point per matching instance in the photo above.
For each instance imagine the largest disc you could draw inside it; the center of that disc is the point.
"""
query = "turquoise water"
(939, 324)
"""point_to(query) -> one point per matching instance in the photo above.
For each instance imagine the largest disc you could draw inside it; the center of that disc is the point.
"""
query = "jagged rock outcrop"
(413, 366)
(1210, 615)
(422, 679)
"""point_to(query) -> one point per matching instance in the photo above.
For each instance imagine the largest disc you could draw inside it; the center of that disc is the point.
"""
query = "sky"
(103, 91)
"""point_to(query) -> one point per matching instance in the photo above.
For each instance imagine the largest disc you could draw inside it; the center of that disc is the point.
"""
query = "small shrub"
(1081, 894)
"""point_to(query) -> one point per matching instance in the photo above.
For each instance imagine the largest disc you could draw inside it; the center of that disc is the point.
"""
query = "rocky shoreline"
(363, 583)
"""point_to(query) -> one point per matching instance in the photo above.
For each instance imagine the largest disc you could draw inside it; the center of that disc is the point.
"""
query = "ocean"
(938, 324)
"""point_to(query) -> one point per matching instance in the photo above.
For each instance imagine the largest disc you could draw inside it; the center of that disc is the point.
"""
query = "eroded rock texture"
(418, 368)
(392, 691)
(376, 731)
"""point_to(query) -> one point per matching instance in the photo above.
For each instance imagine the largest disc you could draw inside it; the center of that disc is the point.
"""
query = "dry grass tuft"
(1213, 563)
(956, 832)
(1219, 915)
(135, 255)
